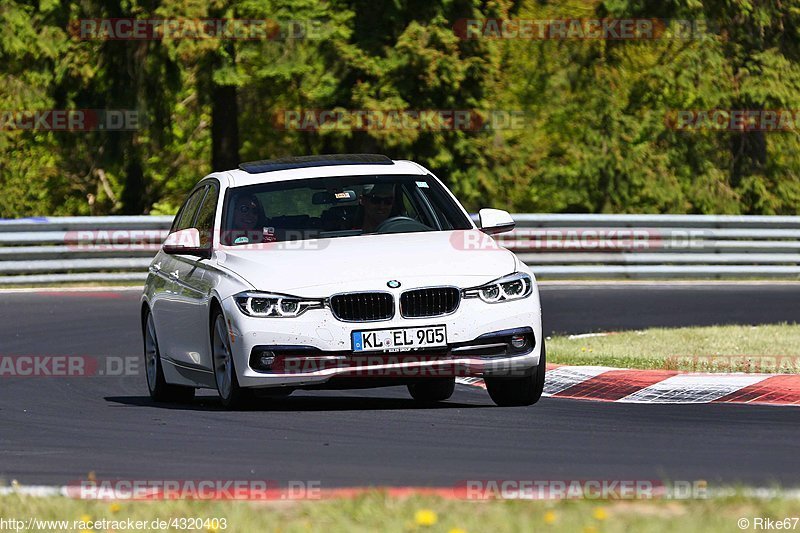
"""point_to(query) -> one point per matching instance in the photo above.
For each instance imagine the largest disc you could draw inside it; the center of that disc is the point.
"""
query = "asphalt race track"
(57, 430)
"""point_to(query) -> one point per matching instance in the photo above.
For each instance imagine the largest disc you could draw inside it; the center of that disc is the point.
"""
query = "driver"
(248, 221)
(377, 204)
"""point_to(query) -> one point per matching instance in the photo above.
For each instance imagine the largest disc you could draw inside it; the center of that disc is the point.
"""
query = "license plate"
(399, 339)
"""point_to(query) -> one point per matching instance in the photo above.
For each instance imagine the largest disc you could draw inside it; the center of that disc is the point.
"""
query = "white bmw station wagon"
(337, 271)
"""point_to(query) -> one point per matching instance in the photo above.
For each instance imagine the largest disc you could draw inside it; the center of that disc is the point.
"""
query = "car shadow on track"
(298, 404)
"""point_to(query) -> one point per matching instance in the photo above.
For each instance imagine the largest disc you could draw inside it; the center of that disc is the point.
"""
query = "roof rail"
(308, 161)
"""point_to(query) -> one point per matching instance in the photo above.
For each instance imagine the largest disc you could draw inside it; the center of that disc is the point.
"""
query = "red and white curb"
(601, 383)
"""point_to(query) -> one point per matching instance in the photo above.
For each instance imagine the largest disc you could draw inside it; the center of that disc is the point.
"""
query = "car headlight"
(512, 287)
(265, 304)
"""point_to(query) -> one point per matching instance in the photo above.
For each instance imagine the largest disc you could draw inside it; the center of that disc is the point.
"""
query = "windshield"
(338, 207)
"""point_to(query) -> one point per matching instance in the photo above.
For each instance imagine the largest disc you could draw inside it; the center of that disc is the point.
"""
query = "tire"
(231, 394)
(160, 390)
(510, 392)
(431, 390)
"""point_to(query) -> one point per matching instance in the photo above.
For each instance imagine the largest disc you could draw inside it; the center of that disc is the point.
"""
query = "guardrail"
(657, 246)
(46, 250)
(567, 246)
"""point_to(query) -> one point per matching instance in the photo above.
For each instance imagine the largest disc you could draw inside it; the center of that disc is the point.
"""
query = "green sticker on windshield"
(241, 240)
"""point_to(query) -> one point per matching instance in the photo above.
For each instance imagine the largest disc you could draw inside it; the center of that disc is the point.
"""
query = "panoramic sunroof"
(288, 163)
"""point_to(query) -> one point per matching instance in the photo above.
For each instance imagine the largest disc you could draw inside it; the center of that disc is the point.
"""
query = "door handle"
(156, 268)
(175, 275)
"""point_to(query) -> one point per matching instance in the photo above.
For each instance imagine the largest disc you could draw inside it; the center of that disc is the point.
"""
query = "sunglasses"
(244, 209)
(384, 200)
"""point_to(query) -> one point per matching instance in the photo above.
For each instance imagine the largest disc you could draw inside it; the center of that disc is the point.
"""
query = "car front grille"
(363, 306)
(434, 301)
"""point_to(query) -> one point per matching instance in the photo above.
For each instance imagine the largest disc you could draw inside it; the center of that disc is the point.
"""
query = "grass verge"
(767, 349)
(377, 512)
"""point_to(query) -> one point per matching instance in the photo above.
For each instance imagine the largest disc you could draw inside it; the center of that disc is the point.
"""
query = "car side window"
(205, 216)
(186, 215)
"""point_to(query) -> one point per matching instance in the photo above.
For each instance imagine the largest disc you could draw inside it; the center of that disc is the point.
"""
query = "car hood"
(326, 266)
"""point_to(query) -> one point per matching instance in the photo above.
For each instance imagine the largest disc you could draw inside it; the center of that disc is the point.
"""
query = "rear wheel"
(160, 390)
(509, 392)
(230, 393)
(432, 389)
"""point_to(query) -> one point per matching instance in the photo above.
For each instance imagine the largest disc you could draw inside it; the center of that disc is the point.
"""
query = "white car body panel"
(366, 262)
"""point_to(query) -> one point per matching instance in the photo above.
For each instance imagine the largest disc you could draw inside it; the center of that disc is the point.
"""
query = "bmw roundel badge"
(393, 284)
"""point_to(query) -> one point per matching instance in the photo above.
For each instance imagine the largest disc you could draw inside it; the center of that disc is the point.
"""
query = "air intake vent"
(435, 301)
(363, 306)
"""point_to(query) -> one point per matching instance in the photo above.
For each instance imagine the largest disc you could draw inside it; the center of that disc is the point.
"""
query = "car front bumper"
(327, 354)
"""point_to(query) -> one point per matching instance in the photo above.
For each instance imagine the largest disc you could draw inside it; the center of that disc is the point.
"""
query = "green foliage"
(596, 133)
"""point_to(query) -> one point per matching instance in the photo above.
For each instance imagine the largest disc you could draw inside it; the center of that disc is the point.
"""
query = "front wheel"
(432, 389)
(230, 393)
(509, 392)
(160, 390)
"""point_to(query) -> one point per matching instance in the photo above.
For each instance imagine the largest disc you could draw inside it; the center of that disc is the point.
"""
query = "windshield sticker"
(422, 184)
(241, 240)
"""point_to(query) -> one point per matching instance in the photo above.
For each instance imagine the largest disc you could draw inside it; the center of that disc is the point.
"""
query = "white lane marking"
(37, 491)
(556, 380)
(693, 388)
(588, 335)
(564, 377)
(475, 382)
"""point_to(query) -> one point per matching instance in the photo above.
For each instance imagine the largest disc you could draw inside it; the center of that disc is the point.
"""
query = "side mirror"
(493, 221)
(185, 242)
